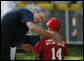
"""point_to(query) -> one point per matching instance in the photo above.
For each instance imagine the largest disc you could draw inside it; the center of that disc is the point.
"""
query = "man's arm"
(39, 30)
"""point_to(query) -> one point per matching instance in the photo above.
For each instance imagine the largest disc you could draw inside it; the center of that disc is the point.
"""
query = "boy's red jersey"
(50, 50)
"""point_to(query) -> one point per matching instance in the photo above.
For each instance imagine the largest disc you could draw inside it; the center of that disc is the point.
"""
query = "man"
(16, 23)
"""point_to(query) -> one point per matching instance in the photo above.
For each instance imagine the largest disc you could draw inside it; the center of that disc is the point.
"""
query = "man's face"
(38, 17)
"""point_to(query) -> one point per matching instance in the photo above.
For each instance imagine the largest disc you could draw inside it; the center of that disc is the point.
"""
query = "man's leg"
(5, 50)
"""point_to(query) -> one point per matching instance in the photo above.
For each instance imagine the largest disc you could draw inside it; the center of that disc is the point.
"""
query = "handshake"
(26, 47)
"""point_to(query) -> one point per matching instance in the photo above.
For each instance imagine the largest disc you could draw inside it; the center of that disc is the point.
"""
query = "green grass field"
(75, 53)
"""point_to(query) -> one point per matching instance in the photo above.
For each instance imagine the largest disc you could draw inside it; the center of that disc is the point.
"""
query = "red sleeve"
(65, 49)
(39, 46)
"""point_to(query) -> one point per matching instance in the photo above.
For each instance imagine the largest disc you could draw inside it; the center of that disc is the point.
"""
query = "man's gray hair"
(38, 8)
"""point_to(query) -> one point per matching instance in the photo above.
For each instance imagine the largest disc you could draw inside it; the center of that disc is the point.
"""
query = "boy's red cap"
(54, 24)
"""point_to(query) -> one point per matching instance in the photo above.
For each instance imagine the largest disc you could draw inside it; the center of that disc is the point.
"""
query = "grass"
(24, 56)
(75, 53)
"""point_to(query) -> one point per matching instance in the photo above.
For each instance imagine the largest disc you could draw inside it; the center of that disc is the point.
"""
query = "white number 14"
(58, 54)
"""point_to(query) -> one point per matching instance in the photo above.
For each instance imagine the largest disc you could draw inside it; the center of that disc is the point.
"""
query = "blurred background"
(70, 13)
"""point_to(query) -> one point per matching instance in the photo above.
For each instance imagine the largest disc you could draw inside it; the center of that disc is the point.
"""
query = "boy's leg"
(13, 52)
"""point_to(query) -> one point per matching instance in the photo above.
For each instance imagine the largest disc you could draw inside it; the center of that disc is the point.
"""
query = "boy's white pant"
(12, 53)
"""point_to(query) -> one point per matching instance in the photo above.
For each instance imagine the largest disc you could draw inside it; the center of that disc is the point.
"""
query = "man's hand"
(57, 37)
(61, 44)
(26, 47)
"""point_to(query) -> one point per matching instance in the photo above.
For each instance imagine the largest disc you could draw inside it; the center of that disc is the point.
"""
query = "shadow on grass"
(75, 52)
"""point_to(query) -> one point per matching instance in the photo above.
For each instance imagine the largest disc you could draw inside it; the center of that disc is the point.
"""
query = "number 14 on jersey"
(58, 54)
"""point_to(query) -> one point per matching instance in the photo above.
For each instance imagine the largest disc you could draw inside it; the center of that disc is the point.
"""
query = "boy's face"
(51, 30)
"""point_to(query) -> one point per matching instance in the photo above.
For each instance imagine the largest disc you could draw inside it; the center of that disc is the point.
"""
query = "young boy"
(51, 50)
